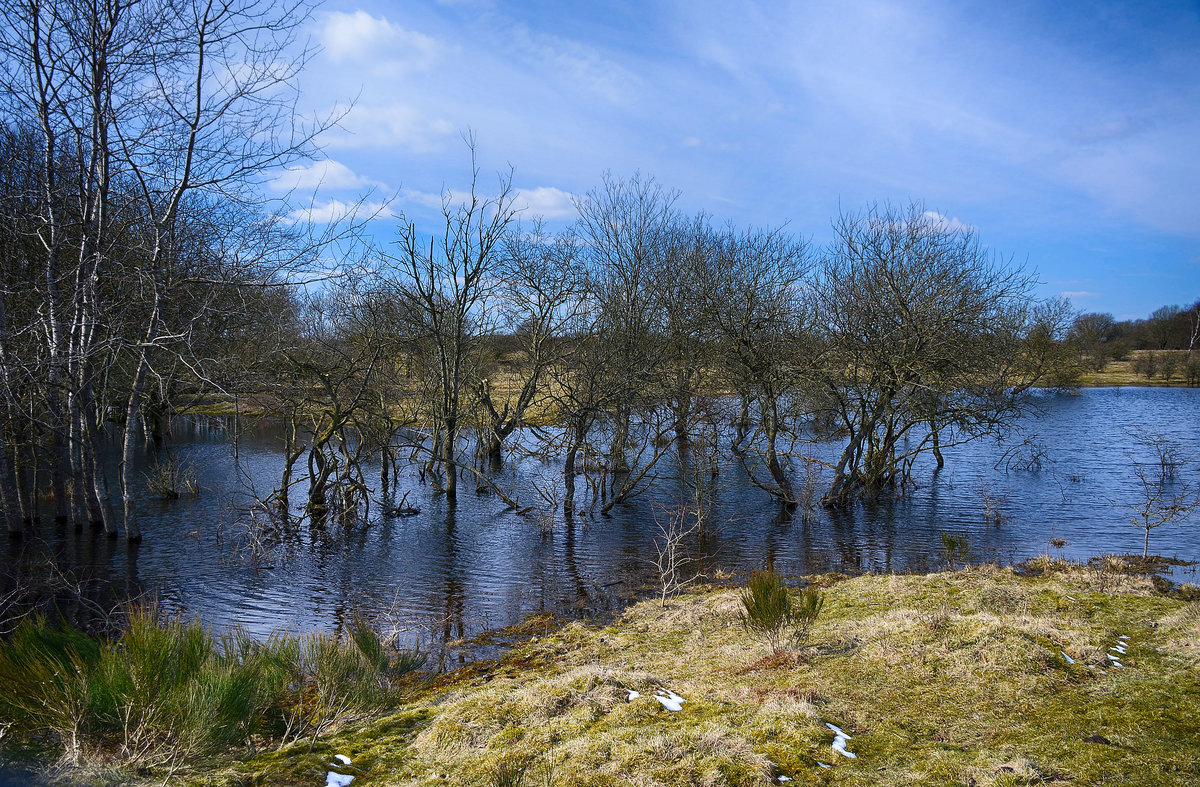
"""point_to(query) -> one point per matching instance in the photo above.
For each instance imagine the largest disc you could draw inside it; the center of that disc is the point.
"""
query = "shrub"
(1145, 364)
(769, 612)
(171, 478)
(1167, 366)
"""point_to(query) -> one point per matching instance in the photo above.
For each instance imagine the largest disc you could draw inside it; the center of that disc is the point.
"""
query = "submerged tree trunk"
(133, 531)
(778, 474)
(572, 455)
(13, 518)
(449, 465)
(133, 413)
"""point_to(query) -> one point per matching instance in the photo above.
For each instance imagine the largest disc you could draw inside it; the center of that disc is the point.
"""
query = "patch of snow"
(824, 764)
(343, 759)
(1068, 658)
(633, 695)
(669, 699)
(837, 731)
(334, 779)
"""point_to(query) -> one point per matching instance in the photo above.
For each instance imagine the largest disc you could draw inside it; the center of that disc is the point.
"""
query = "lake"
(454, 571)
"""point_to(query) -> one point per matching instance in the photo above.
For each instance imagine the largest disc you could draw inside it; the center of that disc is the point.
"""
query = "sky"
(1066, 134)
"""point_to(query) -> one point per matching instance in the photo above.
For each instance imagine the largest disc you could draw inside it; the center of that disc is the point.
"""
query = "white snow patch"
(633, 695)
(343, 759)
(669, 699)
(333, 779)
(1068, 658)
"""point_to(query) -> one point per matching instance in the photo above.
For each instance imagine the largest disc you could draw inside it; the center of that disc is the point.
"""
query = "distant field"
(1123, 372)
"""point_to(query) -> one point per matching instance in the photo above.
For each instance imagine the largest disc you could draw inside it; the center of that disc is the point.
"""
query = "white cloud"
(690, 142)
(325, 174)
(362, 38)
(336, 210)
(547, 202)
(392, 126)
(944, 224)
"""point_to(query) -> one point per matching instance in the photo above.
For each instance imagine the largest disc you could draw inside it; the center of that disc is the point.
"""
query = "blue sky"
(1067, 134)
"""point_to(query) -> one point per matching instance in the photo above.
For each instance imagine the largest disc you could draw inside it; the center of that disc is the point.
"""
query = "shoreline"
(993, 675)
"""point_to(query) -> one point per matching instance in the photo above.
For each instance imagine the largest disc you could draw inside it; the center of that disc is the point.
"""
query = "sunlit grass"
(950, 678)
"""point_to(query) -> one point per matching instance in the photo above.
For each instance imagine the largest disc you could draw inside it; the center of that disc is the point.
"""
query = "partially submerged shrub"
(171, 478)
(770, 613)
(956, 548)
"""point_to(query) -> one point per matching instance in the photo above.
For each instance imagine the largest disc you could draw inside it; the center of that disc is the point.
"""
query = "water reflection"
(453, 571)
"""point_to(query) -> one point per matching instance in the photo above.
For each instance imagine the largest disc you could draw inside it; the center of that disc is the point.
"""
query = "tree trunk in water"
(96, 494)
(60, 460)
(683, 412)
(133, 417)
(778, 474)
(448, 463)
(937, 445)
(133, 531)
(285, 484)
(569, 468)
(743, 425)
(26, 492)
(839, 493)
(617, 461)
(13, 518)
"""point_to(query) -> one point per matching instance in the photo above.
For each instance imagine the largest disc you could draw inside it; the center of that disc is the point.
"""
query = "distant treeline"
(1101, 337)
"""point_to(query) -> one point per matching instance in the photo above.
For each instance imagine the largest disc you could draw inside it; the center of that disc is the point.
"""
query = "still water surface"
(453, 571)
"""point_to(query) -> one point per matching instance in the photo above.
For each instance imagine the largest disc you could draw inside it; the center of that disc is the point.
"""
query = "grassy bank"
(951, 678)
(955, 678)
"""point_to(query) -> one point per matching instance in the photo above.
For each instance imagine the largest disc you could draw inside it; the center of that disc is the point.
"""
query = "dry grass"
(951, 678)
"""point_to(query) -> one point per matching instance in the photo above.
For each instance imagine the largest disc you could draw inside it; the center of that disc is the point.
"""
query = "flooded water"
(454, 571)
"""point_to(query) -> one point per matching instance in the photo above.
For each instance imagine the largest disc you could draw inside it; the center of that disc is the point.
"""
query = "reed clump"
(165, 691)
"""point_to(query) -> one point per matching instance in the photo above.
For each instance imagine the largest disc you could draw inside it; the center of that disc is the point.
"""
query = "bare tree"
(925, 335)
(539, 293)
(444, 289)
(627, 225)
(753, 295)
(1164, 497)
